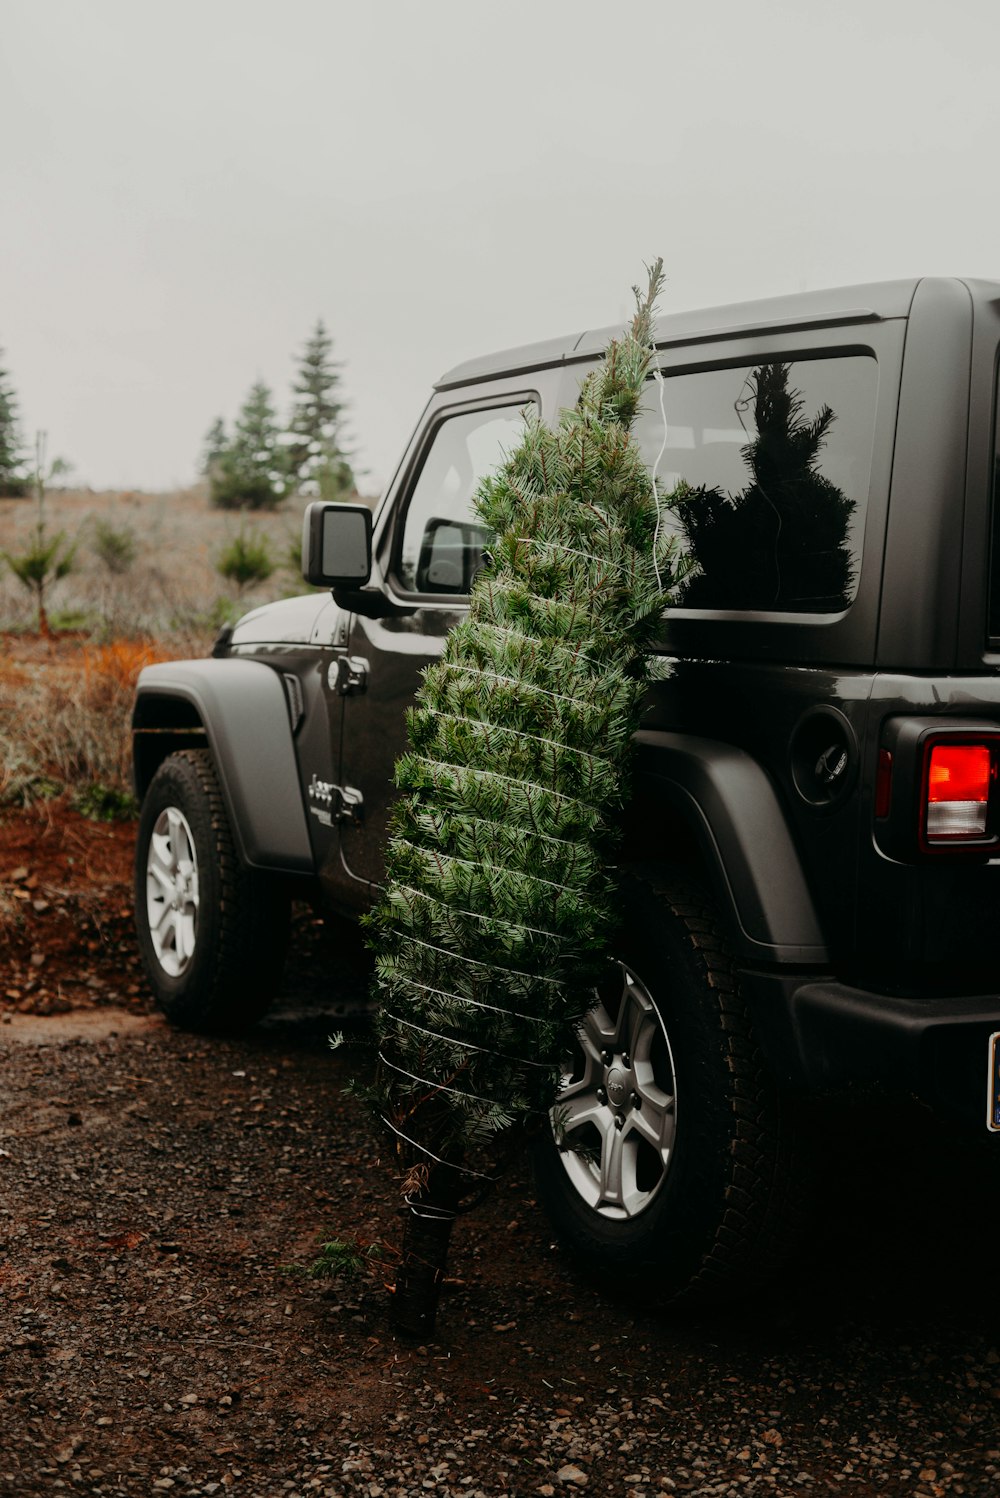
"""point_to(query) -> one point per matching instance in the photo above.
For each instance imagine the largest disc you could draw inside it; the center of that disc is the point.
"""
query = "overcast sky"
(186, 187)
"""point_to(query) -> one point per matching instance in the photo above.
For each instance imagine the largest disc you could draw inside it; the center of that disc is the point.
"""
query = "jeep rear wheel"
(670, 1168)
(212, 933)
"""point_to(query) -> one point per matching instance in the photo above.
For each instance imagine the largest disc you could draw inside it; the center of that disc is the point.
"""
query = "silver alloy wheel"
(172, 891)
(616, 1113)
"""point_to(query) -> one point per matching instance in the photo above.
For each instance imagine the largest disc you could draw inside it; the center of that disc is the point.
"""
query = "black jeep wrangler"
(812, 856)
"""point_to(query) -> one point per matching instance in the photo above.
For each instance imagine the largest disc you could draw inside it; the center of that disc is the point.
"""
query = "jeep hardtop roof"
(874, 302)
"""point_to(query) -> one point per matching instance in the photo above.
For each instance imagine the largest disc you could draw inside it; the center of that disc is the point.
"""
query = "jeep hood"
(289, 621)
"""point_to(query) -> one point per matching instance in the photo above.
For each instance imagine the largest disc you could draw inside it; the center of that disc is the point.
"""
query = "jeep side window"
(765, 477)
(442, 542)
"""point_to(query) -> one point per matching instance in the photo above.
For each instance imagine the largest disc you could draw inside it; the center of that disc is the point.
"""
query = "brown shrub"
(68, 723)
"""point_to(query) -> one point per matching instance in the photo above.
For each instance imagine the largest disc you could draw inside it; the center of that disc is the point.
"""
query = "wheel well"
(656, 832)
(161, 726)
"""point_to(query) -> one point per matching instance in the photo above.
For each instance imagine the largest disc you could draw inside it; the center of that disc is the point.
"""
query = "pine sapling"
(246, 560)
(47, 558)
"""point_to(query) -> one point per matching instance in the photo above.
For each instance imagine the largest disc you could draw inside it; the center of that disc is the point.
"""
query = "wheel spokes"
(576, 1107)
(615, 1117)
(172, 893)
(614, 1169)
(655, 1124)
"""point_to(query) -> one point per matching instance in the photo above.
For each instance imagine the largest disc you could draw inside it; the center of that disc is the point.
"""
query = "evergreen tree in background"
(494, 927)
(249, 473)
(14, 480)
(317, 463)
(214, 447)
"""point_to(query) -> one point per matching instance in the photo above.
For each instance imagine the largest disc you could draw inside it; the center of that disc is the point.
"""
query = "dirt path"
(77, 1024)
(152, 1186)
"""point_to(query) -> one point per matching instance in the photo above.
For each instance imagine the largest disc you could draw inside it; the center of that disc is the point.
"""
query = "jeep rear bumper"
(820, 1034)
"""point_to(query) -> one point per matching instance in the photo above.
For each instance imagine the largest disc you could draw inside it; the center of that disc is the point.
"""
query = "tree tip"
(645, 301)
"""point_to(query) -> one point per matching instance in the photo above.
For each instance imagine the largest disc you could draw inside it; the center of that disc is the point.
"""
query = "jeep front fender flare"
(730, 805)
(243, 709)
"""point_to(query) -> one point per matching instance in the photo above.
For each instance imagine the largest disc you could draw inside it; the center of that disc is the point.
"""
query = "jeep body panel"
(746, 844)
(397, 646)
(244, 710)
(287, 622)
(803, 310)
(918, 624)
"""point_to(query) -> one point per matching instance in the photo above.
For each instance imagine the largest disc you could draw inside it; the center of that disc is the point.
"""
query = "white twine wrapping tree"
(499, 909)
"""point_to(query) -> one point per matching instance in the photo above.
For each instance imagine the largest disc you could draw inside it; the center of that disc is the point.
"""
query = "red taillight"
(958, 789)
(883, 784)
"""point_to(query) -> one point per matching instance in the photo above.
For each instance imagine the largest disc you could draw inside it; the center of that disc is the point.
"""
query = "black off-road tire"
(242, 921)
(726, 1213)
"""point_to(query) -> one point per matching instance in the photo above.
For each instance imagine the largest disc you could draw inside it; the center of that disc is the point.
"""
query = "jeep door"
(427, 548)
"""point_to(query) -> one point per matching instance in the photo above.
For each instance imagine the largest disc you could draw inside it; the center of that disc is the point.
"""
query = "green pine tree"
(249, 474)
(494, 927)
(246, 560)
(213, 449)
(317, 462)
(46, 558)
(14, 480)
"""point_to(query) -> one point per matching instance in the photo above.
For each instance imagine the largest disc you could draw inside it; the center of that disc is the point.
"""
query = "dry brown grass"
(64, 716)
(172, 587)
(64, 708)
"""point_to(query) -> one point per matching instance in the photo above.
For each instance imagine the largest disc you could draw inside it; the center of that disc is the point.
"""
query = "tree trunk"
(427, 1223)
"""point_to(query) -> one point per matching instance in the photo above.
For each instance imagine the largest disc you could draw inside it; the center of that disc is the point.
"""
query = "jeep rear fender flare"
(242, 707)
(729, 803)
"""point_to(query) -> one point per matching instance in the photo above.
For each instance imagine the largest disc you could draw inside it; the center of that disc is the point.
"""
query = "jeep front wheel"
(670, 1166)
(212, 933)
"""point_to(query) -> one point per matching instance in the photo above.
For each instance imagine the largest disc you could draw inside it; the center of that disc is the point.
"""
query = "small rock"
(572, 1474)
(37, 959)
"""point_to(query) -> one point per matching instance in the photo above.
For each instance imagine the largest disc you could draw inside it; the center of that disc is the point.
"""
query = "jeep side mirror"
(336, 545)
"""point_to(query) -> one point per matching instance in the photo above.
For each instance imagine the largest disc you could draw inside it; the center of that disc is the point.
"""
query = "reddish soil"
(70, 942)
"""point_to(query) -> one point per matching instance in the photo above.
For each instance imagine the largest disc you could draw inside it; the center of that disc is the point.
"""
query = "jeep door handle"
(348, 674)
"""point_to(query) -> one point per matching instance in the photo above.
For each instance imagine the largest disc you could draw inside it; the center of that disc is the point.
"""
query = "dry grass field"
(171, 589)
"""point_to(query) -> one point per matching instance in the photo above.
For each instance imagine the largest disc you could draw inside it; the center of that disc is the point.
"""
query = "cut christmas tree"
(494, 931)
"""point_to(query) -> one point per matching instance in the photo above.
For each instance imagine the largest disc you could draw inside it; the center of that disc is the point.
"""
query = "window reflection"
(766, 475)
(443, 538)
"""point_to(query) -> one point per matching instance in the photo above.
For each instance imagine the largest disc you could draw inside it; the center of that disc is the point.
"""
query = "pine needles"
(498, 913)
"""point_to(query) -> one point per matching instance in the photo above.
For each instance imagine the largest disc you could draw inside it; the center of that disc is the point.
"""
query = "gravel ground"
(152, 1186)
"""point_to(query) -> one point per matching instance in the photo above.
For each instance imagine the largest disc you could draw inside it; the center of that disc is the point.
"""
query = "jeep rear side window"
(443, 541)
(765, 479)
